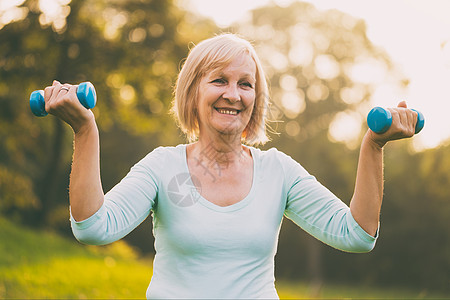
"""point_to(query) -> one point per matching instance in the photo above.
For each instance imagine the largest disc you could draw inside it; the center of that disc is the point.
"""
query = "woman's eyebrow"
(218, 74)
(221, 74)
(248, 76)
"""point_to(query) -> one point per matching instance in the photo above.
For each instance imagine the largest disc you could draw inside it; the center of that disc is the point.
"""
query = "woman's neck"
(222, 150)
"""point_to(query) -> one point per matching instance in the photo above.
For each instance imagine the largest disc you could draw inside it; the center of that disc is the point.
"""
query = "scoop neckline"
(229, 208)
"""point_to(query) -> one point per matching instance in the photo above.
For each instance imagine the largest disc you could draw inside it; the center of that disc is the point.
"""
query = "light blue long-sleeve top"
(207, 251)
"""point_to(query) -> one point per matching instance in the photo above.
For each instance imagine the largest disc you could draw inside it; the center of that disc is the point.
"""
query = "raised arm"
(368, 195)
(85, 189)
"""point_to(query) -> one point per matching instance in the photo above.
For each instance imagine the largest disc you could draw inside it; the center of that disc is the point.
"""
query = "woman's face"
(227, 97)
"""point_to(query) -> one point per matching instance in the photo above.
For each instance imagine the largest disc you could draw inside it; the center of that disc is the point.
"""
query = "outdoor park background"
(324, 75)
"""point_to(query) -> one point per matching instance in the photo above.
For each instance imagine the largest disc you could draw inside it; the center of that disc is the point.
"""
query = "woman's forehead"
(243, 65)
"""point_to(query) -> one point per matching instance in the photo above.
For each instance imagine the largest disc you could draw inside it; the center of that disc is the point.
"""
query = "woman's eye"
(247, 84)
(219, 80)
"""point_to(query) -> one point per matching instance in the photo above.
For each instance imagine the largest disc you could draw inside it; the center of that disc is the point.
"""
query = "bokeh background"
(327, 64)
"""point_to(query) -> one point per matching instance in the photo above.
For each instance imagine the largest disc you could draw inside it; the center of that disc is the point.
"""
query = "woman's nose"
(232, 93)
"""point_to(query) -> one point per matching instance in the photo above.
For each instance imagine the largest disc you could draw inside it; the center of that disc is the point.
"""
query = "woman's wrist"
(373, 140)
(88, 126)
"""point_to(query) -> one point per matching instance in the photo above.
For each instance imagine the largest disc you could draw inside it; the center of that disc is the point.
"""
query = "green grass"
(301, 290)
(39, 264)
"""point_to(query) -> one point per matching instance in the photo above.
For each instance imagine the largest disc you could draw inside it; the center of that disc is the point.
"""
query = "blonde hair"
(213, 53)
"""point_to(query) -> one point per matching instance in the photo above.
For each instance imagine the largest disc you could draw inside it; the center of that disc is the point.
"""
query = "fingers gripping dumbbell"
(85, 92)
(380, 119)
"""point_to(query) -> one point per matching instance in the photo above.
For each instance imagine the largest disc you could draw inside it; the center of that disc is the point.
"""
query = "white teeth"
(227, 112)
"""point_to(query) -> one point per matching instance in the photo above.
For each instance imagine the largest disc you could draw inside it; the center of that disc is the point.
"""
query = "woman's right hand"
(61, 101)
(403, 126)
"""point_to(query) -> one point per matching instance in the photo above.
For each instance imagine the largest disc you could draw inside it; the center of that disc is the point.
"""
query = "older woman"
(218, 203)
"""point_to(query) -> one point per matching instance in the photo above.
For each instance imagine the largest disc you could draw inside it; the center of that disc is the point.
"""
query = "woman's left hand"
(403, 126)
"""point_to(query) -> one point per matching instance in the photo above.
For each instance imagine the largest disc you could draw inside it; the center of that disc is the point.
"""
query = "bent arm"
(85, 188)
(124, 207)
(97, 218)
(319, 212)
(368, 195)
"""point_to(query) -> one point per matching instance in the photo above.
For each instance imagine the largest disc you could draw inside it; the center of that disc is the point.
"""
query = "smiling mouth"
(228, 111)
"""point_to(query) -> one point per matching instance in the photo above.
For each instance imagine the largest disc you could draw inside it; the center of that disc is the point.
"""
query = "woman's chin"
(228, 130)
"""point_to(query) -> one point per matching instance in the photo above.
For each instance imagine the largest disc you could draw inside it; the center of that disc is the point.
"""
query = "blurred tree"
(417, 214)
(129, 50)
(16, 193)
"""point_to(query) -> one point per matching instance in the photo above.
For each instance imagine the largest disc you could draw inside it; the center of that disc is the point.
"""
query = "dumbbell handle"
(380, 119)
(85, 92)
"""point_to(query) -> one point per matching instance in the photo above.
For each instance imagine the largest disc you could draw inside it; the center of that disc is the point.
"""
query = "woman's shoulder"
(168, 150)
(164, 154)
(271, 154)
(278, 159)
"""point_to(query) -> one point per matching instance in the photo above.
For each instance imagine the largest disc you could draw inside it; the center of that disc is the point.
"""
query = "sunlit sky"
(415, 34)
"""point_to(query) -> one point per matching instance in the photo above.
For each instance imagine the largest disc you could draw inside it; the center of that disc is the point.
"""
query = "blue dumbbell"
(85, 92)
(380, 119)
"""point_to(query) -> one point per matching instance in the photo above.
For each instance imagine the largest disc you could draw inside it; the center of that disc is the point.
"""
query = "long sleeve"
(126, 205)
(320, 213)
